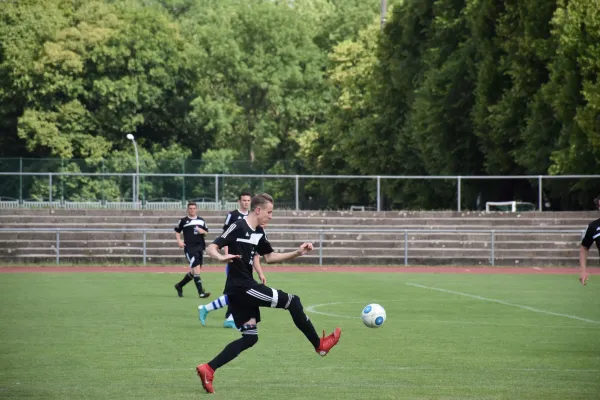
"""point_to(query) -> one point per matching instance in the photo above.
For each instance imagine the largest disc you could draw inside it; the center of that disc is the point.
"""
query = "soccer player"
(244, 200)
(242, 211)
(194, 229)
(222, 301)
(592, 234)
(246, 238)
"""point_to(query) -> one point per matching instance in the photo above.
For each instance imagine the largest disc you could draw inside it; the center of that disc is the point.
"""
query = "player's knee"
(249, 335)
(250, 340)
(293, 303)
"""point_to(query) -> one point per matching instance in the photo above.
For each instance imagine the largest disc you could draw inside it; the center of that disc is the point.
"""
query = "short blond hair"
(260, 200)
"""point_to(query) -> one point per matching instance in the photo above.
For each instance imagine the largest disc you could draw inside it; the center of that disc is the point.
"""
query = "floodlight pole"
(383, 12)
(136, 188)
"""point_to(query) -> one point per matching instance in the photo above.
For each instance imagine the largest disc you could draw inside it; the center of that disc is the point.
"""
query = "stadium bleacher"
(347, 237)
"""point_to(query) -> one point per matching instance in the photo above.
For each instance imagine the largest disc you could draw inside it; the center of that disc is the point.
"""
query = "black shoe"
(204, 295)
(179, 291)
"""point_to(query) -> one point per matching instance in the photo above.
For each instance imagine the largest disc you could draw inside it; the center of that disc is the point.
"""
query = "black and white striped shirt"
(592, 234)
(244, 241)
(232, 217)
(191, 237)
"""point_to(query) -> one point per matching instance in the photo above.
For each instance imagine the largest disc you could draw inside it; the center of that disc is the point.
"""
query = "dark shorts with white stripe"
(245, 305)
(194, 255)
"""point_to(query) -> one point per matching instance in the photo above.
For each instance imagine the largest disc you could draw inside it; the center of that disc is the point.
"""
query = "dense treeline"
(449, 87)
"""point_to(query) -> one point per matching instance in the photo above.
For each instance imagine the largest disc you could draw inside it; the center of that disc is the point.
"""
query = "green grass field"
(128, 336)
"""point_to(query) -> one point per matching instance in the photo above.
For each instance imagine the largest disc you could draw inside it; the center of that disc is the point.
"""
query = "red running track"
(432, 270)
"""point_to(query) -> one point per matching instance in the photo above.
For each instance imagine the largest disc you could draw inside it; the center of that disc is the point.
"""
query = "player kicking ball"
(246, 238)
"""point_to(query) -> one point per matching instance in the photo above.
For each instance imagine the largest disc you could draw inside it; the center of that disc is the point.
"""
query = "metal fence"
(116, 205)
(491, 234)
(212, 185)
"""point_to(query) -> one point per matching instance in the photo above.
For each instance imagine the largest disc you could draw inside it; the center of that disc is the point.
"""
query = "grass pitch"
(447, 336)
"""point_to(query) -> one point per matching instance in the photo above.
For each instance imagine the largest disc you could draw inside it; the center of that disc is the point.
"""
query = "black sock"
(185, 280)
(198, 283)
(227, 313)
(303, 322)
(232, 350)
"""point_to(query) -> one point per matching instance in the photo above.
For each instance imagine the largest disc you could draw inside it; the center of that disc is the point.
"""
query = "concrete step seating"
(351, 238)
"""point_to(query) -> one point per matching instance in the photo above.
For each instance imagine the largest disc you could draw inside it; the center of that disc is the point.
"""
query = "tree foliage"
(449, 87)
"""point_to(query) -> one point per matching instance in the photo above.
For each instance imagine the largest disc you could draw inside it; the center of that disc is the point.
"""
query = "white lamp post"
(136, 186)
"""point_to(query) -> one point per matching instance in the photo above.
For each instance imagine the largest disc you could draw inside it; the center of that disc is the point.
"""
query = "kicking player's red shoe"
(328, 342)
(206, 374)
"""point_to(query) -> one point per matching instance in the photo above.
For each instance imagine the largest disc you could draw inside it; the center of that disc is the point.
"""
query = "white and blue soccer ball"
(373, 315)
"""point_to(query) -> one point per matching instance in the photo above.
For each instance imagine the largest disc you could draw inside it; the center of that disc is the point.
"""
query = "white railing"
(122, 205)
(297, 178)
(10, 204)
(40, 204)
(116, 205)
(577, 235)
(165, 205)
(82, 205)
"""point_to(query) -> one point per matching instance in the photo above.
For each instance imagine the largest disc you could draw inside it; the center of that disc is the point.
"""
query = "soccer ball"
(373, 315)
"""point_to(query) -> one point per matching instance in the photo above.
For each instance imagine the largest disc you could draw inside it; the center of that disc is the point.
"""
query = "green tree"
(24, 27)
(262, 76)
(573, 93)
(113, 69)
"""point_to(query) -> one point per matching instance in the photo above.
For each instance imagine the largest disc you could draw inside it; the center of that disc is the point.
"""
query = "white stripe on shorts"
(275, 298)
(259, 295)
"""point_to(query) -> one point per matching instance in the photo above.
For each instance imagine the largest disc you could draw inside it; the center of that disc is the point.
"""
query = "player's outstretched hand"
(305, 248)
(181, 244)
(228, 257)
(583, 277)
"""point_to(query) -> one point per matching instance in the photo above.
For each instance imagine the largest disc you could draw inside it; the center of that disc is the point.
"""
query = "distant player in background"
(244, 200)
(243, 206)
(592, 234)
(194, 229)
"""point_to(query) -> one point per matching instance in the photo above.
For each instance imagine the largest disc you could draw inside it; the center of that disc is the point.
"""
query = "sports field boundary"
(286, 268)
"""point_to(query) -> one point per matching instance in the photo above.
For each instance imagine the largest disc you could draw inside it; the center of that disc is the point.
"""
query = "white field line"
(506, 303)
(312, 309)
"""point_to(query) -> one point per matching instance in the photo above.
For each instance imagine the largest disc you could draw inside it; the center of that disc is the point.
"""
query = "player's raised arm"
(272, 258)
(213, 252)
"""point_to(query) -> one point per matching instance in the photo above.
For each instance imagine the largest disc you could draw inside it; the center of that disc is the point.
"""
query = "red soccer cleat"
(206, 374)
(328, 342)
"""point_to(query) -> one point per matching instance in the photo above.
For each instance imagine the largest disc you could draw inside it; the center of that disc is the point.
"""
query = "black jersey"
(244, 241)
(592, 234)
(188, 226)
(232, 217)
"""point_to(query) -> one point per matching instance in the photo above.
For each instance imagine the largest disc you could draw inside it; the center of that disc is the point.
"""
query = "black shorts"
(246, 305)
(194, 255)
